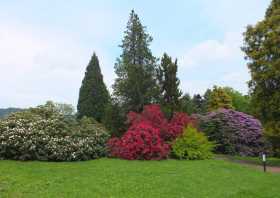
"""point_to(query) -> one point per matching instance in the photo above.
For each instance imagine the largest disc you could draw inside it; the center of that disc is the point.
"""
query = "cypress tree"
(94, 95)
(169, 84)
(135, 84)
(261, 46)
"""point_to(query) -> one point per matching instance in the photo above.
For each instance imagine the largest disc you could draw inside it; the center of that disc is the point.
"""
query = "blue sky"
(46, 45)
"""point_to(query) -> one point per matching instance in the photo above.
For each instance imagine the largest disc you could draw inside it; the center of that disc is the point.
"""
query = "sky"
(46, 45)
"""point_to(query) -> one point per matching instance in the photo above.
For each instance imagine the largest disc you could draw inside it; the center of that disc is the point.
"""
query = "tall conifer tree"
(169, 83)
(94, 95)
(135, 84)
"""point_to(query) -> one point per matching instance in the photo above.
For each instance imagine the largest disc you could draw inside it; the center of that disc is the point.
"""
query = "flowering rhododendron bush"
(42, 134)
(142, 142)
(153, 116)
(149, 135)
(234, 132)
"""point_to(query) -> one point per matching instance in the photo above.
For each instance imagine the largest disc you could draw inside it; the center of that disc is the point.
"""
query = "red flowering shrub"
(140, 142)
(153, 115)
(148, 133)
(177, 124)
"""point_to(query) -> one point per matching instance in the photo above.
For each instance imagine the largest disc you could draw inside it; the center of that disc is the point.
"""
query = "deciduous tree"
(261, 46)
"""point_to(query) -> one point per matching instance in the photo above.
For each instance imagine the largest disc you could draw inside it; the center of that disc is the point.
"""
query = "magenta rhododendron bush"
(236, 133)
(149, 135)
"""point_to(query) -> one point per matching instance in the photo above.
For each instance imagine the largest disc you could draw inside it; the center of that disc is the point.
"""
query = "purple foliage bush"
(234, 132)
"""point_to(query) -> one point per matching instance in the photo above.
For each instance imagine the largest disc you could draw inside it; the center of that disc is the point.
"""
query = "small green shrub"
(192, 145)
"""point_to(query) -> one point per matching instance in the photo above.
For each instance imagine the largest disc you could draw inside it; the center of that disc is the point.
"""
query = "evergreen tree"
(198, 104)
(169, 83)
(187, 104)
(114, 119)
(206, 99)
(94, 95)
(262, 50)
(135, 84)
(219, 99)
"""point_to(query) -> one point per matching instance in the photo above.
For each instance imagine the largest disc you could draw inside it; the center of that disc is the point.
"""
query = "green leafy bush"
(42, 133)
(192, 145)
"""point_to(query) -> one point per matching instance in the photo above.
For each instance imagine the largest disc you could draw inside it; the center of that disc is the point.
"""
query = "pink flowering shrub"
(140, 142)
(149, 135)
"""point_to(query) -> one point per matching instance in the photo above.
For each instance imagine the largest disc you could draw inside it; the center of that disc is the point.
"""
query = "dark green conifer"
(94, 95)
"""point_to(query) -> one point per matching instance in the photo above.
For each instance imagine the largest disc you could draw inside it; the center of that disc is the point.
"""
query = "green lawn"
(118, 178)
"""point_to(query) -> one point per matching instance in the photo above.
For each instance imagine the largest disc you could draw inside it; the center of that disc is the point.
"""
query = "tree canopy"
(261, 46)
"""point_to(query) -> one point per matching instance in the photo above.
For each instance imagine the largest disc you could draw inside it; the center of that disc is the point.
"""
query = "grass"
(270, 161)
(119, 178)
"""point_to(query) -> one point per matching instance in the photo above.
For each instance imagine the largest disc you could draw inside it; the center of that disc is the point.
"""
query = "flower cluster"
(37, 134)
(149, 135)
(141, 142)
(234, 132)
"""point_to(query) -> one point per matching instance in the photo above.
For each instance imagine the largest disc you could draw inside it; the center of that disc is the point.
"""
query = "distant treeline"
(7, 111)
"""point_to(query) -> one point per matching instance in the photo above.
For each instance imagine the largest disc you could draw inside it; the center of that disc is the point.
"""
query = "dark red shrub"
(140, 142)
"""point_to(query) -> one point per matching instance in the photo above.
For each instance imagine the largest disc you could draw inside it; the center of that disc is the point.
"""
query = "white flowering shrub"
(43, 134)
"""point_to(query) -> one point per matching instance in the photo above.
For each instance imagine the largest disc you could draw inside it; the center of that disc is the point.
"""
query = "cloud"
(43, 65)
(234, 15)
(213, 51)
(214, 62)
(44, 49)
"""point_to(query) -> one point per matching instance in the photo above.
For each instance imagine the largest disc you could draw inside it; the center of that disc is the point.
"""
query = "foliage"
(235, 133)
(219, 99)
(240, 102)
(272, 133)
(153, 115)
(196, 104)
(140, 142)
(135, 84)
(176, 125)
(187, 105)
(199, 104)
(192, 145)
(149, 134)
(41, 133)
(261, 46)
(114, 119)
(94, 95)
(169, 84)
